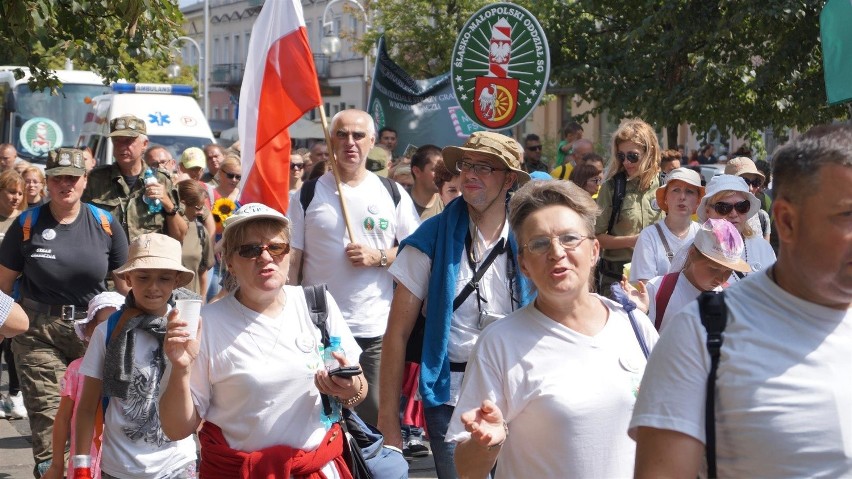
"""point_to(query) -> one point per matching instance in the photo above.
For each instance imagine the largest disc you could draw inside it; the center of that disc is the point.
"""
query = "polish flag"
(279, 85)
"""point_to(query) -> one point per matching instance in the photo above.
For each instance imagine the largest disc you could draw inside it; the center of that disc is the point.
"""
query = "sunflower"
(223, 208)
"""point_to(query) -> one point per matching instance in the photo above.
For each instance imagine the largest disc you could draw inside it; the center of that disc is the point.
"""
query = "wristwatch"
(172, 212)
(384, 261)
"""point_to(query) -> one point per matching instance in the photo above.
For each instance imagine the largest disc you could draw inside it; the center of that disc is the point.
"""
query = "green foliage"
(115, 38)
(738, 64)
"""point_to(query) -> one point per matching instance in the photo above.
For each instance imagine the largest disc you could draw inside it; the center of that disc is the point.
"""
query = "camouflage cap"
(377, 160)
(65, 161)
(500, 147)
(127, 125)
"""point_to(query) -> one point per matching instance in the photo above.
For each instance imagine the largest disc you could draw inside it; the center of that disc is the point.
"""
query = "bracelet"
(354, 399)
(506, 430)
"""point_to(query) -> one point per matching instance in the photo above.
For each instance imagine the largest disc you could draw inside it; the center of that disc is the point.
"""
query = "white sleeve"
(643, 265)
(672, 392)
(199, 375)
(337, 327)
(412, 269)
(93, 362)
(653, 287)
(297, 221)
(407, 219)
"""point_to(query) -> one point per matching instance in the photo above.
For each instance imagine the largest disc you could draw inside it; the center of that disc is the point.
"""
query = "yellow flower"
(222, 209)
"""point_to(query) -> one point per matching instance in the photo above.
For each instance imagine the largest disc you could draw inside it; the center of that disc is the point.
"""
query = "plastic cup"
(189, 311)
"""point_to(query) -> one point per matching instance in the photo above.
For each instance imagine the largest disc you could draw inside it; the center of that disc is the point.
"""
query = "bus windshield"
(44, 122)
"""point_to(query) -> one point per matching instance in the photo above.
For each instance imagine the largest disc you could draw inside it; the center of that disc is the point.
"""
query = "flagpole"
(336, 174)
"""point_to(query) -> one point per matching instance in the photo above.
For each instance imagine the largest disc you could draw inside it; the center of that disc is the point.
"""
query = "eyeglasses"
(479, 170)
(540, 244)
(252, 251)
(297, 166)
(232, 176)
(755, 182)
(534, 148)
(32, 182)
(596, 180)
(356, 135)
(631, 156)
(725, 208)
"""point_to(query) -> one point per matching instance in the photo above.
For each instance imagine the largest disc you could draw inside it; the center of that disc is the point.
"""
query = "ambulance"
(172, 118)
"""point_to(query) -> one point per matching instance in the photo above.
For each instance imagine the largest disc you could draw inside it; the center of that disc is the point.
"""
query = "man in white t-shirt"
(356, 272)
(783, 392)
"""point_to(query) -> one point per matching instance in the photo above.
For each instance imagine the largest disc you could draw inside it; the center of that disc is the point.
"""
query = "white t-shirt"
(684, 293)
(363, 293)
(134, 445)
(784, 388)
(649, 254)
(254, 374)
(565, 396)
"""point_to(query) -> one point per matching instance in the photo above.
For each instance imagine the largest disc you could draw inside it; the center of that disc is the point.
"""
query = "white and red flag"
(279, 86)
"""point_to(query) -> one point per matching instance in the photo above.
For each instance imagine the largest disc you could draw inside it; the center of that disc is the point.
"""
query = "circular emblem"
(654, 205)
(40, 135)
(629, 364)
(369, 224)
(373, 209)
(48, 234)
(503, 91)
(756, 266)
(306, 343)
(188, 121)
(378, 114)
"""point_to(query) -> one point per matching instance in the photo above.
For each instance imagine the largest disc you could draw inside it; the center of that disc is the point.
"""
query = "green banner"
(421, 111)
(836, 36)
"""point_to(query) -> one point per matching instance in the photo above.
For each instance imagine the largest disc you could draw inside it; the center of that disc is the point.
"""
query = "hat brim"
(65, 171)
(453, 154)
(738, 265)
(234, 220)
(193, 165)
(130, 133)
(184, 276)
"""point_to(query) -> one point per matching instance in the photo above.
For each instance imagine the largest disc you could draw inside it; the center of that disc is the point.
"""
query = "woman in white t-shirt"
(715, 253)
(728, 197)
(256, 373)
(658, 243)
(550, 388)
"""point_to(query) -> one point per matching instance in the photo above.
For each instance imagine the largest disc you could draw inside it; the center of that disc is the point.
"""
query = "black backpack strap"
(392, 189)
(714, 317)
(318, 309)
(306, 194)
(619, 189)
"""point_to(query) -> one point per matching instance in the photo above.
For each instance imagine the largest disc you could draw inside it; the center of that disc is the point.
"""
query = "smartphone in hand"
(345, 372)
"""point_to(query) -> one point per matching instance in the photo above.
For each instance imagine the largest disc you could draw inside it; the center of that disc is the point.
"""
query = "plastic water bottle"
(154, 205)
(82, 466)
(331, 363)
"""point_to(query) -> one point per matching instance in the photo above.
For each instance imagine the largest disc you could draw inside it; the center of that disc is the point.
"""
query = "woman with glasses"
(658, 243)
(588, 177)
(556, 380)
(627, 198)
(255, 373)
(297, 170)
(34, 186)
(728, 197)
(755, 179)
(229, 175)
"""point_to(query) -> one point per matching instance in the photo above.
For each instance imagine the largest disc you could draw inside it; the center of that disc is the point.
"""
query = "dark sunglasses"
(534, 148)
(725, 208)
(233, 176)
(252, 251)
(632, 156)
(297, 166)
(755, 182)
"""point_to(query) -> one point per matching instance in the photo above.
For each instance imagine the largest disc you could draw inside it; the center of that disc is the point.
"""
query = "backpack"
(30, 217)
(365, 452)
(664, 294)
(306, 194)
(714, 317)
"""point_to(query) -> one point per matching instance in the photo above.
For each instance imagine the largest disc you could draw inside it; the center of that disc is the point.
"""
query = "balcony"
(323, 65)
(227, 75)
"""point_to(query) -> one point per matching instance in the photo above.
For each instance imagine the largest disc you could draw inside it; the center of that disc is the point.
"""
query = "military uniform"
(108, 190)
(638, 210)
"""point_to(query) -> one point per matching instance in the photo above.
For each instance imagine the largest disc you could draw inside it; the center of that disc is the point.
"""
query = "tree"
(115, 38)
(742, 65)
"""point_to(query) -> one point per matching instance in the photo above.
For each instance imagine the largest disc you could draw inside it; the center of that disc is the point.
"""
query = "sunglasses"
(725, 208)
(252, 251)
(631, 156)
(534, 148)
(540, 244)
(297, 166)
(755, 182)
(233, 176)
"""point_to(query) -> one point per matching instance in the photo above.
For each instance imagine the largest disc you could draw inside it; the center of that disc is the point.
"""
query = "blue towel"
(442, 239)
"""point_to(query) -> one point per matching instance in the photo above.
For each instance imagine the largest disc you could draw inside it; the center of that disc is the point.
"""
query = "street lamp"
(173, 70)
(330, 43)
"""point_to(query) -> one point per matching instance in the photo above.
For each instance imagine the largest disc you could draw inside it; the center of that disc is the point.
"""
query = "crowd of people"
(526, 319)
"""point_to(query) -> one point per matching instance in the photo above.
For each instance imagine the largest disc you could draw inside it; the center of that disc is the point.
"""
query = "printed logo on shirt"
(383, 224)
(369, 224)
(43, 253)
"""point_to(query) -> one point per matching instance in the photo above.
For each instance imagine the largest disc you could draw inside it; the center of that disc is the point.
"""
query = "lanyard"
(473, 284)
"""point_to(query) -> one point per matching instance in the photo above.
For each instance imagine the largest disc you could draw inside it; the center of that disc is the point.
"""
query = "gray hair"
(535, 195)
(796, 165)
(371, 126)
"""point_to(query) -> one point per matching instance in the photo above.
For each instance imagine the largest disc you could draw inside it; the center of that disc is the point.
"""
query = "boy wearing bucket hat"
(125, 363)
(658, 243)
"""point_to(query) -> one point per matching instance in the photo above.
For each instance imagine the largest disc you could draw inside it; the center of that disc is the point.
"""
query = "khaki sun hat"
(742, 165)
(500, 147)
(720, 241)
(686, 175)
(193, 157)
(65, 162)
(127, 125)
(156, 251)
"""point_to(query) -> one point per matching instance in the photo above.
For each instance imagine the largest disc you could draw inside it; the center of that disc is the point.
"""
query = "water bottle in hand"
(154, 205)
(331, 363)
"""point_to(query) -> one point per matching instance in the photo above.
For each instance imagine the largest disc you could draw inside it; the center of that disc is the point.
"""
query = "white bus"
(36, 122)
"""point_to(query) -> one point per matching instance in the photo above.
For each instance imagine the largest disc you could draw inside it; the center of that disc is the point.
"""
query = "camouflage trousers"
(41, 356)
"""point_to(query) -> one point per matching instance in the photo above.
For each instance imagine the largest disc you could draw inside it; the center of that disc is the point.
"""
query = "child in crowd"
(71, 387)
(125, 363)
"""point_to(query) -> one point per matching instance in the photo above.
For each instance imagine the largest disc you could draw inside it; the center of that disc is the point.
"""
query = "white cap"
(254, 211)
(722, 183)
(107, 299)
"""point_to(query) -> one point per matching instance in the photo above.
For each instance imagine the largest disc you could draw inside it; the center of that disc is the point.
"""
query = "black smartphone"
(345, 372)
